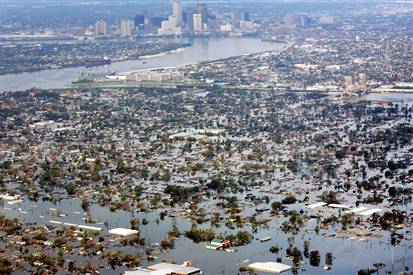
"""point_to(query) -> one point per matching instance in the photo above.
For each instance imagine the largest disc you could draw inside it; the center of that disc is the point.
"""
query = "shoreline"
(80, 65)
(59, 78)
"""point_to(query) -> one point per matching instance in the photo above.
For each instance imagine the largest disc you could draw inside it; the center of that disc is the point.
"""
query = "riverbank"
(55, 64)
(200, 50)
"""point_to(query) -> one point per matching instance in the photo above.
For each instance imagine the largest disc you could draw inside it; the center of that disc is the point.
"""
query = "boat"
(265, 239)
(89, 78)
(97, 62)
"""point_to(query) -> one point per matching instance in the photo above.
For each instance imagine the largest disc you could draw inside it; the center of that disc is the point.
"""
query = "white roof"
(123, 232)
(356, 210)
(315, 205)
(270, 267)
(90, 227)
(70, 224)
(336, 205)
(15, 202)
(180, 269)
(149, 272)
(370, 212)
(9, 198)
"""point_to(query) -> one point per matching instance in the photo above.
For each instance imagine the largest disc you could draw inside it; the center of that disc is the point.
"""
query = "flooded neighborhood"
(206, 138)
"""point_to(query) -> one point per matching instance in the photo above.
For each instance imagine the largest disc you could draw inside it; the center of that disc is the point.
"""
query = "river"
(202, 49)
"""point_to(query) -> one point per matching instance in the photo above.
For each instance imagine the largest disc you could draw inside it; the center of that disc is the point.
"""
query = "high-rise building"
(289, 19)
(157, 21)
(190, 19)
(203, 10)
(126, 27)
(169, 27)
(348, 83)
(305, 21)
(240, 16)
(326, 19)
(197, 22)
(101, 29)
(362, 81)
(177, 12)
(139, 21)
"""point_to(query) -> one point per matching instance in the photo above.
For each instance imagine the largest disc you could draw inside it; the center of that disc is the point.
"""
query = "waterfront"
(201, 50)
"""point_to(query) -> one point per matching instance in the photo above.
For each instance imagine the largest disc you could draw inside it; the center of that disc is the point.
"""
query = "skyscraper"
(101, 29)
(190, 19)
(197, 22)
(237, 16)
(177, 12)
(348, 83)
(362, 81)
(139, 21)
(203, 10)
(157, 21)
(126, 26)
(169, 27)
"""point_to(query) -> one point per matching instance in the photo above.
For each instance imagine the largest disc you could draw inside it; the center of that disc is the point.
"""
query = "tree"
(138, 191)
(134, 224)
(329, 197)
(289, 199)
(85, 204)
(378, 266)
(166, 176)
(329, 258)
(5, 266)
(365, 271)
(274, 249)
(306, 247)
(71, 188)
(276, 206)
(315, 258)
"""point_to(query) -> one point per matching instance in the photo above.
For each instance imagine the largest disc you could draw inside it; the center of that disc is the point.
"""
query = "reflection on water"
(201, 50)
(396, 97)
(348, 255)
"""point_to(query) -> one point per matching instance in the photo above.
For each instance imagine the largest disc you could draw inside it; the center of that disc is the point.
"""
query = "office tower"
(289, 20)
(326, 19)
(237, 16)
(101, 29)
(348, 83)
(203, 10)
(305, 21)
(197, 22)
(139, 21)
(225, 27)
(184, 17)
(190, 20)
(177, 12)
(157, 21)
(169, 27)
(126, 27)
(362, 81)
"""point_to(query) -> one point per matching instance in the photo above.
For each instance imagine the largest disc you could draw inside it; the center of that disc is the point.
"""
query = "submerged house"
(167, 269)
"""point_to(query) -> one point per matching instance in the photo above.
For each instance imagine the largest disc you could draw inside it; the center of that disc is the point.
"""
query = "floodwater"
(349, 255)
(395, 97)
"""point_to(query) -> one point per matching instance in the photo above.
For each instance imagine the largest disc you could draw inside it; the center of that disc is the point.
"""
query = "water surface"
(202, 49)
